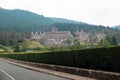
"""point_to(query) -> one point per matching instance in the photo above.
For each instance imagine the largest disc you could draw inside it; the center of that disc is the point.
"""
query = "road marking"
(7, 74)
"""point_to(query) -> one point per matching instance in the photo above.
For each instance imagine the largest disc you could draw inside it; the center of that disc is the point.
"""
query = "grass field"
(31, 44)
(27, 44)
(1, 50)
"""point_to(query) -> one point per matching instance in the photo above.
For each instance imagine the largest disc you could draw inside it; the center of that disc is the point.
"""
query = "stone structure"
(84, 37)
(60, 38)
(54, 38)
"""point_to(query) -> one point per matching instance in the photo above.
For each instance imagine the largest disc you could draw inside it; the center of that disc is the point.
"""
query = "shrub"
(101, 58)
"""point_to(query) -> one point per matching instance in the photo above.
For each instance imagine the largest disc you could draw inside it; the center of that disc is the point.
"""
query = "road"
(12, 72)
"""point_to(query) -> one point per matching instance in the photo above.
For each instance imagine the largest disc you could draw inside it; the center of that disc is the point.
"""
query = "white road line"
(7, 74)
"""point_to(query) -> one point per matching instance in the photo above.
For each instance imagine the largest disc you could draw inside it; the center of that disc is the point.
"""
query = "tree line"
(12, 38)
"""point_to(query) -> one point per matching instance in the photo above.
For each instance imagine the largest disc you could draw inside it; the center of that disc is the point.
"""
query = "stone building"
(60, 38)
(54, 38)
(84, 37)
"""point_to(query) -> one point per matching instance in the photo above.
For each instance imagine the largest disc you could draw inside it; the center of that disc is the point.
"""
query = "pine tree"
(114, 41)
(17, 48)
(68, 41)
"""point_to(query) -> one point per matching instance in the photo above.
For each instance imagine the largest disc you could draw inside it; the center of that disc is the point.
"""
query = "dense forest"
(22, 20)
(117, 27)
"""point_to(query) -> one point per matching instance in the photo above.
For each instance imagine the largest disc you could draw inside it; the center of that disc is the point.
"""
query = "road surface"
(12, 72)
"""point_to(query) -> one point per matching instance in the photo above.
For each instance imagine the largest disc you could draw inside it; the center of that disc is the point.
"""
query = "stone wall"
(100, 75)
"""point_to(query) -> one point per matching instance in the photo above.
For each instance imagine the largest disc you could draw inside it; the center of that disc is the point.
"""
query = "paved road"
(12, 72)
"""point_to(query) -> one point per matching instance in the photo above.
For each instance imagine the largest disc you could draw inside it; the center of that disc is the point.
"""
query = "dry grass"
(31, 44)
(34, 44)
(1, 50)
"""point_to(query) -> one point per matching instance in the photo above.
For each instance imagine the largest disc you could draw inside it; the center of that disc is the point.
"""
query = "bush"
(17, 48)
(101, 59)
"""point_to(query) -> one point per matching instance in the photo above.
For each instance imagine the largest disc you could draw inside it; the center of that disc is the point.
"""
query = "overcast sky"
(104, 12)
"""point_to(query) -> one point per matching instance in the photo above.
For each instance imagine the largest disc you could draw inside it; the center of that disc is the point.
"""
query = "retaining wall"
(100, 75)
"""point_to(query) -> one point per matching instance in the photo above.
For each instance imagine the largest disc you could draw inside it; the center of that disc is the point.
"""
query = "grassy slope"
(2, 48)
(28, 44)
(31, 44)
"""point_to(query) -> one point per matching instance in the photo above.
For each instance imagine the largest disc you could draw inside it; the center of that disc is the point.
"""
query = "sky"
(99, 12)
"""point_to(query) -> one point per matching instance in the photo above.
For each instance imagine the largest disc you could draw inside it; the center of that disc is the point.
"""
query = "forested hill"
(62, 20)
(22, 20)
(117, 27)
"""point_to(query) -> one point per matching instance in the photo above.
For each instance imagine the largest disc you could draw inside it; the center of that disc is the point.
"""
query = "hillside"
(62, 20)
(25, 45)
(23, 21)
(117, 27)
(31, 44)
(2, 48)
